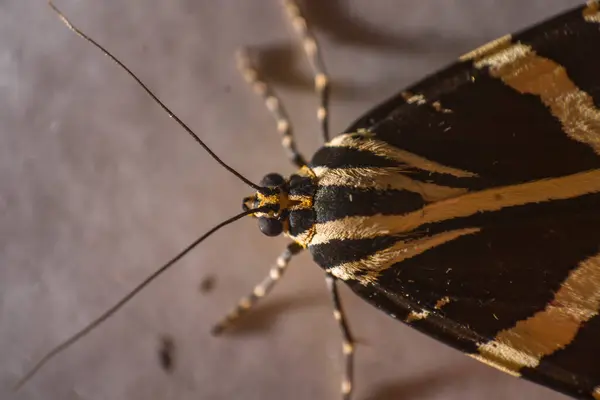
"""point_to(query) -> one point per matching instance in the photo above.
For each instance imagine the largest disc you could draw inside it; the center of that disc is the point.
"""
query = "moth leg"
(250, 73)
(348, 341)
(311, 48)
(260, 290)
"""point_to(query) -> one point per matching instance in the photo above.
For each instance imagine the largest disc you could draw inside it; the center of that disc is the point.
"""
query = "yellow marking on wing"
(416, 315)
(382, 149)
(495, 199)
(487, 48)
(416, 98)
(367, 270)
(495, 364)
(420, 100)
(591, 13)
(386, 178)
(519, 67)
(442, 302)
(554, 328)
(437, 106)
(406, 95)
(596, 393)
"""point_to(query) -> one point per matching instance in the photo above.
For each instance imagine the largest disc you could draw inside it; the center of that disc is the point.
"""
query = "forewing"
(518, 285)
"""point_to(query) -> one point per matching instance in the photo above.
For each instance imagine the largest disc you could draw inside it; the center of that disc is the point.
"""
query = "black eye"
(271, 180)
(295, 180)
(270, 227)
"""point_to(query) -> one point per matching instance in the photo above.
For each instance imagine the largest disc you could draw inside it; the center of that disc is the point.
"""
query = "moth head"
(274, 195)
(280, 199)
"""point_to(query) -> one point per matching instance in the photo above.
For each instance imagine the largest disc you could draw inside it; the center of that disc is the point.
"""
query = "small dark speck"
(166, 353)
(227, 89)
(498, 197)
(207, 284)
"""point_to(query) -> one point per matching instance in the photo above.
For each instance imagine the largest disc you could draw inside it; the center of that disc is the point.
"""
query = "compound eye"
(269, 226)
(272, 180)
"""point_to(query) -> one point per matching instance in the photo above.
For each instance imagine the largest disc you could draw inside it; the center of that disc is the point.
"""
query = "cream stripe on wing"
(386, 178)
(524, 345)
(487, 48)
(519, 67)
(368, 269)
(382, 149)
(495, 199)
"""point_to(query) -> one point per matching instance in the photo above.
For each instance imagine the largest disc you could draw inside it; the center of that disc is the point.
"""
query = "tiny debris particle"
(207, 284)
(166, 353)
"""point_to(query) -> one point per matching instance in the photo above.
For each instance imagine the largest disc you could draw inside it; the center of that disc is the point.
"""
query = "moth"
(467, 206)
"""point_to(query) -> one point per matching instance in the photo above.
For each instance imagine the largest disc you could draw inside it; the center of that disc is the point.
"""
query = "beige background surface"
(98, 187)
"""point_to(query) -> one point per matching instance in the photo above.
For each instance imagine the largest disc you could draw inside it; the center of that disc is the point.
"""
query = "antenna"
(154, 97)
(92, 325)
(95, 323)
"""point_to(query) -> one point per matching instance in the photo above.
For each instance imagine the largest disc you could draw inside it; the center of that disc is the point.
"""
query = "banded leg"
(348, 341)
(260, 290)
(250, 74)
(311, 48)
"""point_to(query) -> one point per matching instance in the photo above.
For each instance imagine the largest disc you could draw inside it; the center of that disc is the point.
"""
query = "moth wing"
(522, 293)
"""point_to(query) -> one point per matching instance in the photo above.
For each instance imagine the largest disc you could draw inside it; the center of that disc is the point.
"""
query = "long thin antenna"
(160, 103)
(128, 297)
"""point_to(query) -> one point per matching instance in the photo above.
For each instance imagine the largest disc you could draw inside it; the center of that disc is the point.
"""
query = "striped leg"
(311, 49)
(260, 290)
(348, 342)
(248, 70)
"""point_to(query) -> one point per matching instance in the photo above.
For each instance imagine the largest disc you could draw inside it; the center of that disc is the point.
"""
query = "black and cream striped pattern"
(469, 206)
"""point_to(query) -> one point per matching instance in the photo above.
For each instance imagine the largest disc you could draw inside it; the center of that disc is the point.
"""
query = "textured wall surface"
(99, 187)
